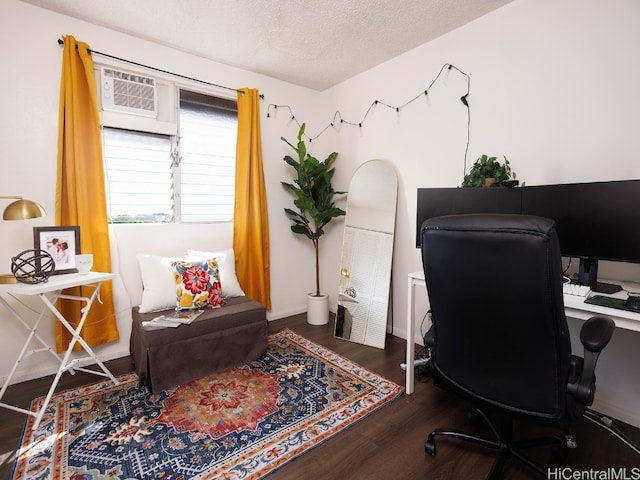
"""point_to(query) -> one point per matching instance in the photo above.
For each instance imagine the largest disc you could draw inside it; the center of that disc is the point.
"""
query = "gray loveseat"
(218, 339)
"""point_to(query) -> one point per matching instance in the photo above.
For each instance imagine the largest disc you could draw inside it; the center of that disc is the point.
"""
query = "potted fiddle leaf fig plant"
(315, 208)
(489, 172)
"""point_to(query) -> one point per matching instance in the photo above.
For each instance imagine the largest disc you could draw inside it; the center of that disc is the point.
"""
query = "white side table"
(49, 292)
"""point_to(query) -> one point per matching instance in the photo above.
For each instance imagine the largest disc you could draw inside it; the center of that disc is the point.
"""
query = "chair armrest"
(594, 336)
(596, 333)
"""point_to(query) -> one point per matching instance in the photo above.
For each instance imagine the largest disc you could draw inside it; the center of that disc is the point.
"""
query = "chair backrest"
(495, 292)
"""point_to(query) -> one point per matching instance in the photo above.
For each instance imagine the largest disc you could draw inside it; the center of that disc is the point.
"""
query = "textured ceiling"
(313, 43)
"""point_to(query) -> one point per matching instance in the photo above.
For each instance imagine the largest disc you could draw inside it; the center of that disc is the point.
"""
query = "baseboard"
(275, 315)
(33, 373)
(616, 412)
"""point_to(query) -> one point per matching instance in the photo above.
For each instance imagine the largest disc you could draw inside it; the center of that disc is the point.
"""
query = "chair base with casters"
(503, 440)
(594, 335)
(505, 444)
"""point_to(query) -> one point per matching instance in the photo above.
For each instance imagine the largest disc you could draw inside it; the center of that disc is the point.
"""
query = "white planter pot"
(318, 309)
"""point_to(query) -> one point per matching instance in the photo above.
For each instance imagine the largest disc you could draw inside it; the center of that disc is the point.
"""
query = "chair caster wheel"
(430, 446)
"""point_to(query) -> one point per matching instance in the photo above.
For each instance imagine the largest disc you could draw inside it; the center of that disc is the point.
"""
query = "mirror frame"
(367, 255)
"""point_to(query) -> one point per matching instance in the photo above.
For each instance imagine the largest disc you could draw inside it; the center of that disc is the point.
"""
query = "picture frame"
(62, 243)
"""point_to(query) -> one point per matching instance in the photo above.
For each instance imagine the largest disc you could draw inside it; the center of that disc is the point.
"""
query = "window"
(208, 130)
(138, 176)
(188, 177)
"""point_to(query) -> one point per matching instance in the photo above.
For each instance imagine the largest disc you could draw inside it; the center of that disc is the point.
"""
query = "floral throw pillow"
(197, 284)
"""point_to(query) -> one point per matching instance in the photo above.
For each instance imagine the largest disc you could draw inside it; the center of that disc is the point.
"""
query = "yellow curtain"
(251, 220)
(80, 190)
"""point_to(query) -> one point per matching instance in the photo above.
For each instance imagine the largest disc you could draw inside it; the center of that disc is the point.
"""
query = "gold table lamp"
(20, 209)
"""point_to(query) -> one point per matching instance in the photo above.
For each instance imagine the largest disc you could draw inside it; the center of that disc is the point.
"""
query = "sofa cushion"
(159, 290)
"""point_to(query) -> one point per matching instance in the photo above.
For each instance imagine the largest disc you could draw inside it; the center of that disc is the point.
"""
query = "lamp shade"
(23, 209)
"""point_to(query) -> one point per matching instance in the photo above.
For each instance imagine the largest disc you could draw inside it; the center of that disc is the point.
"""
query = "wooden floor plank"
(387, 444)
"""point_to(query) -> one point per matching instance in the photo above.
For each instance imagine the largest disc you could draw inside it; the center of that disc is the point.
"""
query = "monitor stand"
(608, 288)
(588, 275)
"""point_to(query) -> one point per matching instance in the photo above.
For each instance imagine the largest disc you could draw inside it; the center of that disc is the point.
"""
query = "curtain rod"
(61, 42)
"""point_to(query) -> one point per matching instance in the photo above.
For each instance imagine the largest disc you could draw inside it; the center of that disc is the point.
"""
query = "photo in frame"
(62, 243)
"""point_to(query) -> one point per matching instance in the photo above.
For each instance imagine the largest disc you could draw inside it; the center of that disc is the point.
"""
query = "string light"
(338, 116)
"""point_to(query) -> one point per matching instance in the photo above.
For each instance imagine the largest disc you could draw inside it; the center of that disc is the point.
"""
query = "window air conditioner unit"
(129, 93)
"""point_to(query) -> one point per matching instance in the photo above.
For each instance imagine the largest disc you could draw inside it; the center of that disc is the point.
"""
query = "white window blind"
(190, 177)
(208, 132)
(138, 176)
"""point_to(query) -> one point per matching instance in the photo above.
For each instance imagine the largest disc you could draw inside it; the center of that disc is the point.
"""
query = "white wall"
(553, 87)
(29, 96)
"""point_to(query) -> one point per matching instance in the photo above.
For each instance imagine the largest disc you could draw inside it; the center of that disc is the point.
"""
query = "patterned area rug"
(238, 424)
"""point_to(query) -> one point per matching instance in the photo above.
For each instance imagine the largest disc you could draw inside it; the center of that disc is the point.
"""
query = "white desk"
(49, 292)
(574, 307)
(415, 279)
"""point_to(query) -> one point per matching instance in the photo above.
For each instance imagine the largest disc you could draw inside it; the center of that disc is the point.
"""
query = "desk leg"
(76, 338)
(410, 374)
(24, 352)
(76, 332)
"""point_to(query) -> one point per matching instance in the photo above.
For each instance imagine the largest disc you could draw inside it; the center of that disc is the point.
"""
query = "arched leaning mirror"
(367, 250)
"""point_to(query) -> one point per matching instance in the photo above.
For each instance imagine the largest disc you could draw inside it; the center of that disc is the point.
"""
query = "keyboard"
(577, 290)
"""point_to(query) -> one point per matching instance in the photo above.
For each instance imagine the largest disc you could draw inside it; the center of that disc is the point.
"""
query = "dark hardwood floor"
(389, 444)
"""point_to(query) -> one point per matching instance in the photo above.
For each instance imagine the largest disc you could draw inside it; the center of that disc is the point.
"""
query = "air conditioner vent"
(128, 92)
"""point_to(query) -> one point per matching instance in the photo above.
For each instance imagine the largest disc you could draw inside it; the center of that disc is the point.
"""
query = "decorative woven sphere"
(32, 266)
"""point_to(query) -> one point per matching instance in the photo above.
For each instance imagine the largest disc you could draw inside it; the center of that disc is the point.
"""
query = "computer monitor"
(594, 220)
(437, 202)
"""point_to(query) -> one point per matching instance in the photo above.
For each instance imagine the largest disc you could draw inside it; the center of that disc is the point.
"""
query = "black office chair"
(499, 336)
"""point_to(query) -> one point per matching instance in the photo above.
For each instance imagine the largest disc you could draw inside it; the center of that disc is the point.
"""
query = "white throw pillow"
(158, 286)
(227, 265)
